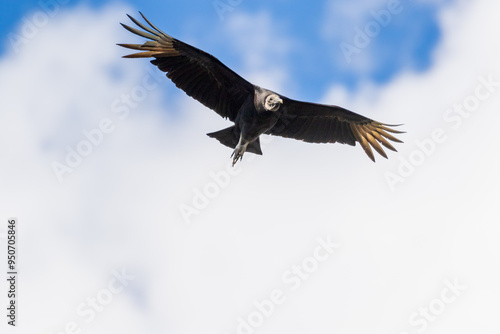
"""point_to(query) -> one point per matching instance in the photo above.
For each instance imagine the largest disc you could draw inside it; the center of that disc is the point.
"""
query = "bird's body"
(253, 109)
(253, 119)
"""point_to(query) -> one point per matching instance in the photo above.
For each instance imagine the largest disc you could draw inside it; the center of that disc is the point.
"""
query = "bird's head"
(273, 102)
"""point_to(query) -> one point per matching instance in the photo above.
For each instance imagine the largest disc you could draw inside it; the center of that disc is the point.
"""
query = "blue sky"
(318, 28)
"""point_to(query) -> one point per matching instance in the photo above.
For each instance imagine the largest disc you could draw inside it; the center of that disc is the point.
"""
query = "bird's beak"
(280, 101)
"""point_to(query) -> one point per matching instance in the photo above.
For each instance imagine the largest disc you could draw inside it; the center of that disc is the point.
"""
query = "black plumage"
(253, 109)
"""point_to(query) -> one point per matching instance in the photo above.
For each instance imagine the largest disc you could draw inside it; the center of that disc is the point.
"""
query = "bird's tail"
(230, 138)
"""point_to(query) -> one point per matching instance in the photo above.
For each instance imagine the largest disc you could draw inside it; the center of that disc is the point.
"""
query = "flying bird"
(253, 109)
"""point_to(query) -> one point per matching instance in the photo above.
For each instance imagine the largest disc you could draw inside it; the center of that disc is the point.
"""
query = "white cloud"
(120, 207)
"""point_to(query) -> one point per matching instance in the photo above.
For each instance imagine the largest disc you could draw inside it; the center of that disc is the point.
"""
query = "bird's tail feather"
(254, 147)
(230, 138)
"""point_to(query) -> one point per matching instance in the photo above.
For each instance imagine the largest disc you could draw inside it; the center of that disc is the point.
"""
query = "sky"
(131, 219)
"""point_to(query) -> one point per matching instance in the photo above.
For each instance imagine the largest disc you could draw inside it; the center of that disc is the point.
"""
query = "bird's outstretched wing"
(199, 74)
(318, 123)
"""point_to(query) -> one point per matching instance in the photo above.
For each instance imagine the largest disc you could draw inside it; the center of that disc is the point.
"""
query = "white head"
(273, 102)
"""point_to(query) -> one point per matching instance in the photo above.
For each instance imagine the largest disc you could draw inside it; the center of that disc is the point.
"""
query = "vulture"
(253, 109)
